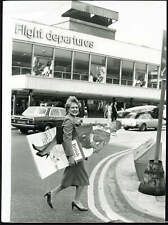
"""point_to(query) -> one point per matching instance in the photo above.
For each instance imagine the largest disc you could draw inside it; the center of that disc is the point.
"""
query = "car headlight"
(30, 121)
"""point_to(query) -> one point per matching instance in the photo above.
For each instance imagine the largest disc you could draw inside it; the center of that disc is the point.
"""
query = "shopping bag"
(93, 137)
(49, 156)
(44, 144)
(114, 126)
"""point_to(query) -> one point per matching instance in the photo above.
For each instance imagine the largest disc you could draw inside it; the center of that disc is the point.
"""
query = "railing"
(67, 75)
(80, 76)
(126, 82)
(117, 81)
(152, 85)
(62, 74)
(18, 70)
(110, 80)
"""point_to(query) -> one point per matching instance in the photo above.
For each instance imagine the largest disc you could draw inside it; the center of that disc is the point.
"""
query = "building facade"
(81, 57)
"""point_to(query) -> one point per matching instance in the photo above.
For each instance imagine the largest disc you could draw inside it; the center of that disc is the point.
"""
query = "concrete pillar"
(146, 77)
(32, 60)
(30, 97)
(72, 65)
(13, 104)
(120, 72)
(134, 70)
(105, 69)
(158, 78)
(90, 59)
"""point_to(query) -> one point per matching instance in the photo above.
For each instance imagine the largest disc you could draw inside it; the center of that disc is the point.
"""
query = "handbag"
(115, 125)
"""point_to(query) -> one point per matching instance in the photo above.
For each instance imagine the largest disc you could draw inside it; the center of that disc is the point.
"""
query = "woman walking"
(75, 174)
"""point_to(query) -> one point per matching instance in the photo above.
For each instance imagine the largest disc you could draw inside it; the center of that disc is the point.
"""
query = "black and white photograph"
(84, 111)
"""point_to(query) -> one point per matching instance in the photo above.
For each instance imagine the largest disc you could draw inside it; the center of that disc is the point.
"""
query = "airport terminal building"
(81, 57)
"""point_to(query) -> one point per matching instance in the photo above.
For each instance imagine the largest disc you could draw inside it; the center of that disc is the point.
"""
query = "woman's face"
(74, 109)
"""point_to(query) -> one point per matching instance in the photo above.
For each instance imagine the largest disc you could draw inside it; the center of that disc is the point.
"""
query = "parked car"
(38, 118)
(143, 108)
(140, 120)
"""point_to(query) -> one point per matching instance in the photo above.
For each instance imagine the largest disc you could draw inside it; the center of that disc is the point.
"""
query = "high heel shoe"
(78, 207)
(48, 196)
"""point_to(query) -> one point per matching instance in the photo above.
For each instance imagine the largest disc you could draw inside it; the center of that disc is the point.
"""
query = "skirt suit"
(75, 175)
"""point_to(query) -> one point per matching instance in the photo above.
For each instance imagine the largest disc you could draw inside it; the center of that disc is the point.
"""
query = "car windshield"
(35, 111)
(131, 115)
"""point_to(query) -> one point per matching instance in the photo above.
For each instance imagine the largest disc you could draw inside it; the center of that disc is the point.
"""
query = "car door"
(152, 123)
(146, 119)
(54, 114)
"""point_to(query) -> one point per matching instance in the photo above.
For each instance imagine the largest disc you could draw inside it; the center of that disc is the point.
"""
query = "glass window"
(152, 76)
(63, 112)
(113, 70)
(127, 72)
(97, 70)
(62, 63)
(145, 116)
(81, 66)
(21, 58)
(131, 115)
(42, 61)
(54, 112)
(140, 74)
(35, 111)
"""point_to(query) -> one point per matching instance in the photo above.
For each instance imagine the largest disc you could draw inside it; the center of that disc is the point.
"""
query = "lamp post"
(153, 181)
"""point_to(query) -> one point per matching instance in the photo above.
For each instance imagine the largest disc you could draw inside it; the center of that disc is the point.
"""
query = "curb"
(132, 203)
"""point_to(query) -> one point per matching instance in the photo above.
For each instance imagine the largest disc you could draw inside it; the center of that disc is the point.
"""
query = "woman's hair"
(70, 100)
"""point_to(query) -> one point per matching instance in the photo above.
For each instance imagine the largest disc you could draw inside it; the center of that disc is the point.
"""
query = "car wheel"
(47, 127)
(142, 127)
(23, 131)
(126, 128)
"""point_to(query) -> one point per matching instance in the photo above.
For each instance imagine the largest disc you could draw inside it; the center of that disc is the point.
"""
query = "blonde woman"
(75, 174)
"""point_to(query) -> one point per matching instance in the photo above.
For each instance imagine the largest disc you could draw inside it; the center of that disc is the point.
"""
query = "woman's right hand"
(71, 161)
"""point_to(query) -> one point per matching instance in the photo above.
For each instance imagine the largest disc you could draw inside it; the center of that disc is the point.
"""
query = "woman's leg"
(49, 194)
(78, 193)
(57, 189)
(76, 202)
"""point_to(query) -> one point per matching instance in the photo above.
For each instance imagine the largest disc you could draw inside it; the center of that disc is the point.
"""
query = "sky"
(140, 22)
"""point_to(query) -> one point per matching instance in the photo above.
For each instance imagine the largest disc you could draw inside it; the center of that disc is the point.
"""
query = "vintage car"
(140, 120)
(143, 108)
(38, 118)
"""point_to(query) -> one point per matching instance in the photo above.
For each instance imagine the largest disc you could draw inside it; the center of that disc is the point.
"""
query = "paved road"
(28, 204)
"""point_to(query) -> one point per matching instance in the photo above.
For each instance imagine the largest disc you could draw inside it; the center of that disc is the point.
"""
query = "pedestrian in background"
(109, 111)
(114, 114)
(105, 110)
(75, 174)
